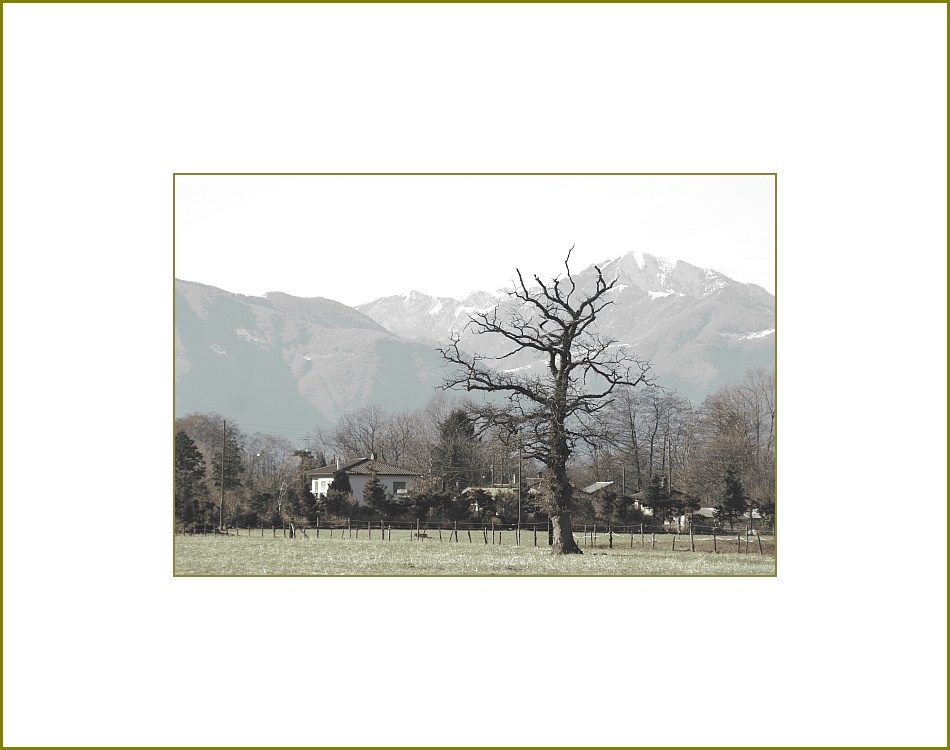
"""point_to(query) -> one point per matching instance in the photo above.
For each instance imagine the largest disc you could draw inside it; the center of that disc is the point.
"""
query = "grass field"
(269, 556)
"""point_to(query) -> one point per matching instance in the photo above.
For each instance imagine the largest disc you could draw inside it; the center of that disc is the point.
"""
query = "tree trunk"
(564, 543)
(561, 495)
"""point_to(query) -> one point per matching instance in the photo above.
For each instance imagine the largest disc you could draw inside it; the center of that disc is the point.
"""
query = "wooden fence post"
(493, 532)
(714, 540)
(469, 536)
(692, 542)
(674, 543)
(641, 536)
(653, 543)
(738, 543)
(485, 532)
(535, 535)
(759, 537)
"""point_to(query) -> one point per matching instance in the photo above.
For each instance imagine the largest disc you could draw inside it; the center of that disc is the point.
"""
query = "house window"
(399, 488)
(321, 487)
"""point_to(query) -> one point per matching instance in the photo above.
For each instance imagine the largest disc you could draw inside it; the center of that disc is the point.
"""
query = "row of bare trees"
(652, 432)
(642, 434)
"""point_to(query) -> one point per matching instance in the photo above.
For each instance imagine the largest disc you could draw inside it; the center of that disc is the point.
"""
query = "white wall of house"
(319, 487)
(391, 483)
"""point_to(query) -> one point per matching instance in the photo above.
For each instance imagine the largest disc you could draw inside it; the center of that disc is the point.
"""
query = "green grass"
(269, 556)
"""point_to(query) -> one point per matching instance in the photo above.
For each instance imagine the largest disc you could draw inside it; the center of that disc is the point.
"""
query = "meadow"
(252, 555)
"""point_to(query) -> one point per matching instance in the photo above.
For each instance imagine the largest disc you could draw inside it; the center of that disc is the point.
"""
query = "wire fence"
(590, 536)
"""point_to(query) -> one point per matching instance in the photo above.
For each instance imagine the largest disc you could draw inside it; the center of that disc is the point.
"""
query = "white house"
(395, 480)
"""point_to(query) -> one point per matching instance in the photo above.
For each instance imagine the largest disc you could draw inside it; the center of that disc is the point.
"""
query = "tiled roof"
(364, 466)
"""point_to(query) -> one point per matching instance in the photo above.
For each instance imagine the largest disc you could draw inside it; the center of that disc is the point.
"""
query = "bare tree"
(551, 413)
(359, 432)
(738, 431)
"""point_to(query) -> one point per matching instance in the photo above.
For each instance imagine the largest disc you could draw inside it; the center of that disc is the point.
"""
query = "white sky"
(357, 238)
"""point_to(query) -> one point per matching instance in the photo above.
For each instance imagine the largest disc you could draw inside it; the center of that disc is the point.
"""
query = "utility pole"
(224, 446)
(519, 491)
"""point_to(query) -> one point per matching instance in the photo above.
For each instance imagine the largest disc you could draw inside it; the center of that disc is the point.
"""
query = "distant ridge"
(304, 361)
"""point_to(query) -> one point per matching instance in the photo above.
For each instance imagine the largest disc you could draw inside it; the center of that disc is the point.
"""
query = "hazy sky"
(357, 238)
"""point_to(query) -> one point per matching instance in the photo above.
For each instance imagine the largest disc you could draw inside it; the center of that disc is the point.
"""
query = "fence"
(591, 536)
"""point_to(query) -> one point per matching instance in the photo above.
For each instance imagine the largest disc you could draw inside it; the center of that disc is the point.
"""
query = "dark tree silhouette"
(191, 505)
(734, 501)
(550, 413)
(340, 482)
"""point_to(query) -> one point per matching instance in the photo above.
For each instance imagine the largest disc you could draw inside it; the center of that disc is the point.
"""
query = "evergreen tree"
(341, 482)
(658, 498)
(337, 503)
(609, 505)
(189, 474)
(734, 501)
(262, 506)
(484, 502)
(376, 497)
(422, 502)
(308, 505)
(453, 506)
(233, 466)
(456, 455)
(624, 508)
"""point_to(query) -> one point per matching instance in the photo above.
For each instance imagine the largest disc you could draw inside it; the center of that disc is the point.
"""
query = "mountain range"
(287, 361)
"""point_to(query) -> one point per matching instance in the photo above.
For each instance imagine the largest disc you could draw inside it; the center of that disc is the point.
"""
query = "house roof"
(362, 466)
(596, 487)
